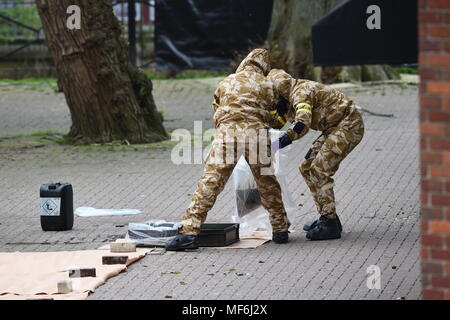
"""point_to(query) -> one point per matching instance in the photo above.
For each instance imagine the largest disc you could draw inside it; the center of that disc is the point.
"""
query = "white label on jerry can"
(50, 207)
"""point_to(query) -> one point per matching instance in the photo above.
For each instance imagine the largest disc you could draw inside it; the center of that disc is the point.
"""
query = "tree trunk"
(289, 42)
(109, 99)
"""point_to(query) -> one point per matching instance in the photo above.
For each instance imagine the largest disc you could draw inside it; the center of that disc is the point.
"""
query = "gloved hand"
(282, 106)
(283, 141)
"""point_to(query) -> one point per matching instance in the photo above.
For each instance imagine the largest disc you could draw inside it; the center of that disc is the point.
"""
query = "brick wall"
(434, 24)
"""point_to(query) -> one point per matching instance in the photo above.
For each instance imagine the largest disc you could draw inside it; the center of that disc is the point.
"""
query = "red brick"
(434, 16)
(431, 102)
(423, 31)
(441, 282)
(447, 131)
(423, 59)
(423, 170)
(445, 45)
(438, 31)
(439, 59)
(446, 102)
(432, 240)
(431, 157)
(424, 198)
(427, 45)
(440, 200)
(438, 87)
(432, 294)
(426, 280)
(423, 116)
(439, 143)
(440, 254)
(447, 295)
(432, 268)
(424, 226)
(431, 185)
(443, 4)
(423, 85)
(447, 186)
(440, 172)
(440, 226)
(431, 129)
(435, 73)
(424, 253)
(447, 269)
(446, 157)
(439, 116)
(432, 214)
(427, 73)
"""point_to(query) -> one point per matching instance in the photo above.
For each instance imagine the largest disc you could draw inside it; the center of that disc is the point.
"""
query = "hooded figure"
(241, 106)
(245, 96)
(312, 105)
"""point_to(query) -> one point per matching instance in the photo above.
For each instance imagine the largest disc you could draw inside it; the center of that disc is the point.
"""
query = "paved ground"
(377, 190)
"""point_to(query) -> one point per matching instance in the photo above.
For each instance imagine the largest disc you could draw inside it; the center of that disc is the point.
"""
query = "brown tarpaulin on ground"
(25, 275)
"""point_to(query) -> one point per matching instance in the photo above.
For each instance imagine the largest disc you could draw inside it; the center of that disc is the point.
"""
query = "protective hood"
(282, 82)
(257, 61)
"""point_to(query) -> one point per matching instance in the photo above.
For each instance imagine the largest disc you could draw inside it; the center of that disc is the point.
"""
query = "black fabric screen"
(204, 34)
(343, 38)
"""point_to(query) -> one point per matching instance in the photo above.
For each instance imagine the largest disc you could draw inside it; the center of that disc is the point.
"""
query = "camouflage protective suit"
(241, 102)
(325, 109)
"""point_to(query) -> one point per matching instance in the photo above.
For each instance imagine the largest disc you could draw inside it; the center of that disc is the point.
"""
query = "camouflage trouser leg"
(212, 183)
(326, 154)
(209, 187)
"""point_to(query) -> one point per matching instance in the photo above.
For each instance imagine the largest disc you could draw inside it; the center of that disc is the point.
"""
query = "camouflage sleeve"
(302, 102)
(277, 121)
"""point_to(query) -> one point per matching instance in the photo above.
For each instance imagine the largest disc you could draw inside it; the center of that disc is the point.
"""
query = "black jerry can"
(56, 207)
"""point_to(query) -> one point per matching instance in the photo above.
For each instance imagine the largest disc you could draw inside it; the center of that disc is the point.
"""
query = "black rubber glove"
(284, 140)
(282, 106)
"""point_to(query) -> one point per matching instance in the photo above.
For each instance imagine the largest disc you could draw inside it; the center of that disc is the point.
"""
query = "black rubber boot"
(182, 242)
(311, 224)
(280, 237)
(325, 229)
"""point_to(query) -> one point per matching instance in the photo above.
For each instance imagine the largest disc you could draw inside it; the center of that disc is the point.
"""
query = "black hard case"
(218, 234)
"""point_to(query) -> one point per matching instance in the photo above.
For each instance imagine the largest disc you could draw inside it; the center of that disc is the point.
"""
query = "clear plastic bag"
(249, 212)
(152, 233)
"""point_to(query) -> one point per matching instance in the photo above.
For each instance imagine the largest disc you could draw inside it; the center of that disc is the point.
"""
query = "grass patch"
(33, 84)
(29, 141)
(402, 86)
(407, 69)
(29, 80)
(50, 138)
(43, 133)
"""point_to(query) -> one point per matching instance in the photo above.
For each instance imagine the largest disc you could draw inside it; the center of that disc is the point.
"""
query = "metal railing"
(20, 27)
(21, 30)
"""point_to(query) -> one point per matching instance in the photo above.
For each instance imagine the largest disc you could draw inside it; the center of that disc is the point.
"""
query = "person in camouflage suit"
(241, 103)
(312, 105)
